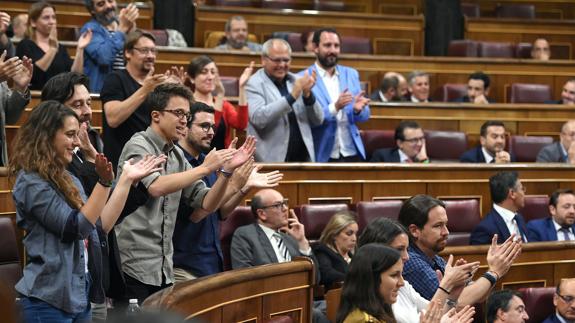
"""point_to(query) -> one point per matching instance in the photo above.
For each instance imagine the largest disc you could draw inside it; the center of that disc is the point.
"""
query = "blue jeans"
(37, 311)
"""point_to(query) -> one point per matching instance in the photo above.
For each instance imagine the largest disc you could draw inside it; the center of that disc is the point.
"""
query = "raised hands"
(84, 39)
(500, 258)
(344, 99)
(176, 75)
(456, 274)
(127, 18)
(215, 159)
(263, 180)
(53, 38)
(4, 22)
(242, 154)
(465, 315)
(296, 230)
(432, 314)
(24, 75)
(246, 75)
(135, 171)
(9, 67)
(104, 169)
(153, 80)
(304, 84)
(360, 102)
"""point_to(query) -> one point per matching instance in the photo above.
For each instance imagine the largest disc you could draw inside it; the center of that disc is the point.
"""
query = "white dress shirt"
(509, 219)
(487, 155)
(560, 235)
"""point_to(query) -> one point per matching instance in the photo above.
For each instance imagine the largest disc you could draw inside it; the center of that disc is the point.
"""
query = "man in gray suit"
(282, 108)
(562, 151)
(262, 242)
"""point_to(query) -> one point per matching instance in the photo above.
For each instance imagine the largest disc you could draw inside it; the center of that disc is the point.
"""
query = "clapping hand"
(135, 171)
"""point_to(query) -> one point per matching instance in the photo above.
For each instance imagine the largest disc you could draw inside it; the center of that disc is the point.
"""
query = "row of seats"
(515, 92)
(464, 214)
(522, 11)
(475, 48)
(450, 145)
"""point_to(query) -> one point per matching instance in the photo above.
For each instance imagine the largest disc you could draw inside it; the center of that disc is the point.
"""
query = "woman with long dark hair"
(63, 271)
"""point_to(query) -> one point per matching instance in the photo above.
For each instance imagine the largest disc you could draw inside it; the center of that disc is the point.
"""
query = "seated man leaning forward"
(564, 301)
(145, 235)
(491, 148)
(562, 151)
(410, 142)
(477, 89)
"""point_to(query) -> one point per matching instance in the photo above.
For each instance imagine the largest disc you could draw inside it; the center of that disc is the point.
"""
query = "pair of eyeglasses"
(206, 126)
(567, 299)
(279, 60)
(180, 114)
(146, 50)
(414, 140)
(278, 205)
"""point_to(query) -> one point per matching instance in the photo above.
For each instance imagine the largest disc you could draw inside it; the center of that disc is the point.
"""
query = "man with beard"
(560, 226)
(564, 301)
(197, 248)
(124, 93)
(425, 219)
(237, 36)
(508, 196)
(109, 29)
(477, 89)
(388, 90)
(339, 93)
(491, 148)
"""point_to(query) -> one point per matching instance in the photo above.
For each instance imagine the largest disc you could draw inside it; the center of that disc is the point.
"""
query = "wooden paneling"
(559, 33)
(387, 32)
(253, 294)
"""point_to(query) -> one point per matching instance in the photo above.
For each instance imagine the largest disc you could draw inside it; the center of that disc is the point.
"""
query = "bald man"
(562, 151)
(564, 301)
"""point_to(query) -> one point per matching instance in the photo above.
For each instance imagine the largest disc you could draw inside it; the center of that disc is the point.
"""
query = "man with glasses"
(277, 235)
(410, 142)
(560, 226)
(109, 29)
(282, 108)
(564, 301)
(125, 91)
(145, 234)
(508, 196)
(562, 151)
(197, 248)
(491, 148)
(343, 102)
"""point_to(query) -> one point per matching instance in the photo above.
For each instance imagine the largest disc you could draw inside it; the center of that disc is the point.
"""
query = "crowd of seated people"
(150, 196)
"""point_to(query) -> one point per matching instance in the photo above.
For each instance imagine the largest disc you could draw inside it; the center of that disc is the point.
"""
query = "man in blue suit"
(338, 91)
(561, 225)
(492, 145)
(508, 196)
(410, 148)
(564, 301)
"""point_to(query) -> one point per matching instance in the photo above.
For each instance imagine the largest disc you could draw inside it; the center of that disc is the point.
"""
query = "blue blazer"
(493, 224)
(543, 230)
(475, 155)
(552, 319)
(324, 134)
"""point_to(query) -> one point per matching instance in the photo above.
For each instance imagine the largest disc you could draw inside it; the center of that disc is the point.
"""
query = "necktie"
(517, 231)
(282, 248)
(565, 234)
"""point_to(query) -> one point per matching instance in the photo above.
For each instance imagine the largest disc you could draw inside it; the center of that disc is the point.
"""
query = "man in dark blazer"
(491, 148)
(410, 142)
(567, 94)
(259, 243)
(477, 89)
(508, 196)
(561, 225)
(560, 151)
(564, 301)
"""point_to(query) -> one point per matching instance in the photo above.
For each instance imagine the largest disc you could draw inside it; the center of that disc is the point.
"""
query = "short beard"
(235, 44)
(325, 62)
(104, 20)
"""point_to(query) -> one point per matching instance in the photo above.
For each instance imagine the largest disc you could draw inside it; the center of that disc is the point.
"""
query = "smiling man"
(410, 142)
(418, 84)
(109, 29)
(282, 108)
(237, 36)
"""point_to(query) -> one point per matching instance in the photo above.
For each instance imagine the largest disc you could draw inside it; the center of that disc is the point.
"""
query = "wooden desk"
(254, 294)
(541, 264)
(73, 13)
(390, 34)
(559, 33)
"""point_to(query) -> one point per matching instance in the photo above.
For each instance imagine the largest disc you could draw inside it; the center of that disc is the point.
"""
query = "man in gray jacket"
(562, 151)
(282, 108)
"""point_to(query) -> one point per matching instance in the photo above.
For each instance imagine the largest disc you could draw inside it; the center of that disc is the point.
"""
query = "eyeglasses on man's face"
(206, 126)
(181, 114)
(146, 50)
(279, 60)
(277, 205)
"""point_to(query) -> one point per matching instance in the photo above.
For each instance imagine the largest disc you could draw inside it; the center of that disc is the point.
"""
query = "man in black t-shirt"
(124, 93)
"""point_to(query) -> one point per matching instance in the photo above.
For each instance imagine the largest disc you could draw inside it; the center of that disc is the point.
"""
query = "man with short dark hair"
(561, 225)
(505, 306)
(540, 50)
(564, 301)
(145, 235)
(236, 29)
(477, 89)
(339, 93)
(425, 219)
(410, 142)
(109, 29)
(418, 84)
(125, 91)
(562, 151)
(508, 196)
(197, 249)
(567, 94)
(388, 90)
(492, 145)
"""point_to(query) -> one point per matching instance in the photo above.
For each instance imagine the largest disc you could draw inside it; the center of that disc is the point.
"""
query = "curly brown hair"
(33, 149)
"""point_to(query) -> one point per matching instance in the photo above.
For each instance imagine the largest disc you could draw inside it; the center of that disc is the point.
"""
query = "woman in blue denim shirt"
(58, 218)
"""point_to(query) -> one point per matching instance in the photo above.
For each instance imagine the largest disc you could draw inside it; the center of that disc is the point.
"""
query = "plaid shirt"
(419, 271)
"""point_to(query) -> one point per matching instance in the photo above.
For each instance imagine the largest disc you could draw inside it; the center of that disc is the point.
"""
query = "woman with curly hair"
(63, 271)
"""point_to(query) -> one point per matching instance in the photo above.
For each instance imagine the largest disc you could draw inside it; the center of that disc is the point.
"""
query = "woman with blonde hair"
(41, 44)
(336, 247)
(63, 271)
